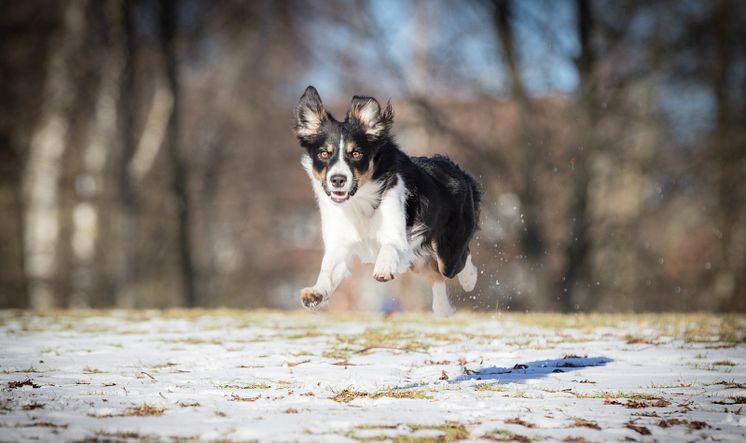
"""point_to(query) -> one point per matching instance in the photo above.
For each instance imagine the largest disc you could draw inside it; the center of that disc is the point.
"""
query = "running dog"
(383, 206)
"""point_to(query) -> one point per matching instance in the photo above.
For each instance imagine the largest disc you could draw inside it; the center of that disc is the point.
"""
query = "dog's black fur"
(442, 202)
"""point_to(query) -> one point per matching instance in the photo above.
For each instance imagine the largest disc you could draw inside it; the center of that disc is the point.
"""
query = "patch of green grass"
(123, 436)
(505, 435)
(90, 329)
(199, 313)
(186, 404)
(249, 386)
(300, 354)
(625, 395)
(163, 365)
(713, 367)
(144, 410)
(729, 329)
(347, 395)
(195, 341)
(519, 394)
(132, 332)
(300, 335)
(379, 437)
(560, 321)
(448, 432)
(383, 338)
(670, 386)
(447, 337)
(730, 384)
(338, 353)
(692, 328)
(723, 363)
(460, 319)
(193, 439)
(493, 387)
(29, 370)
(414, 394)
(568, 391)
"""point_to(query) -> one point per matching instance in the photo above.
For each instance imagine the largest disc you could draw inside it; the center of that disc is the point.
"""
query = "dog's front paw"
(383, 277)
(386, 265)
(311, 297)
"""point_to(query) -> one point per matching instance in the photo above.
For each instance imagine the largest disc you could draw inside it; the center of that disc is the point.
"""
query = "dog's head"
(342, 153)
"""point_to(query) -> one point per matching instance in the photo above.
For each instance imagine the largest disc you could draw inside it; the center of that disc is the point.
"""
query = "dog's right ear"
(310, 115)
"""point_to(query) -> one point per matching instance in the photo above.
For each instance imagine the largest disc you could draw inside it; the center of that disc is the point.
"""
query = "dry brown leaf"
(518, 421)
(642, 430)
(583, 423)
(237, 397)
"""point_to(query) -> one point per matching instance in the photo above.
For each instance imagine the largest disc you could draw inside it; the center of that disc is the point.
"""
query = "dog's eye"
(356, 155)
(324, 155)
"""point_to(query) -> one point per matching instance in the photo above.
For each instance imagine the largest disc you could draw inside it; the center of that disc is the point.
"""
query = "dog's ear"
(310, 114)
(367, 113)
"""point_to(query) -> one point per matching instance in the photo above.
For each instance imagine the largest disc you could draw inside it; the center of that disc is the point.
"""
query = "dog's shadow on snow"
(531, 370)
(522, 372)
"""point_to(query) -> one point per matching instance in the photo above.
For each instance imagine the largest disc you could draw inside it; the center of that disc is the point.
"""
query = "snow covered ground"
(277, 376)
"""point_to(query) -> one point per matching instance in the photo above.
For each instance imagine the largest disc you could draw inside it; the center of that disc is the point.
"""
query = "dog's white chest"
(353, 226)
(366, 222)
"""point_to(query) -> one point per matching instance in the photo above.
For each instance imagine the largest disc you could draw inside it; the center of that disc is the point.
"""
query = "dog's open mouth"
(340, 196)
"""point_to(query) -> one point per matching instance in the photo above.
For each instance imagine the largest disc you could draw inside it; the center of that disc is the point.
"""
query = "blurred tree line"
(146, 157)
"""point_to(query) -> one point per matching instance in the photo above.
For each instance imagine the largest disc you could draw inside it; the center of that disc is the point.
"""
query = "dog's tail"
(476, 195)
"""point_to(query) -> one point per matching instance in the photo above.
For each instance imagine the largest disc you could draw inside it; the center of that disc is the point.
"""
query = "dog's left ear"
(367, 113)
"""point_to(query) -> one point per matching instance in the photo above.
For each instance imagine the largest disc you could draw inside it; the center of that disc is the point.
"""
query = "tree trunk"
(13, 291)
(532, 238)
(729, 155)
(179, 171)
(125, 215)
(43, 166)
(579, 244)
(87, 210)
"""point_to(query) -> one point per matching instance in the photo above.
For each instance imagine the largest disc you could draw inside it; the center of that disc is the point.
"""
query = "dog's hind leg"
(441, 306)
(429, 269)
(468, 276)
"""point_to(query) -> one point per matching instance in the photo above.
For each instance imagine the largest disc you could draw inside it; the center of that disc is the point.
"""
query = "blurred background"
(147, 157)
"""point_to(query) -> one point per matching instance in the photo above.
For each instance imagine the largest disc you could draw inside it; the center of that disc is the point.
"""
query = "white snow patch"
(275, 377)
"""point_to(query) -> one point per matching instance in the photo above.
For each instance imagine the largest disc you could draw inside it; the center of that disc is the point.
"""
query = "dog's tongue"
(339, 196)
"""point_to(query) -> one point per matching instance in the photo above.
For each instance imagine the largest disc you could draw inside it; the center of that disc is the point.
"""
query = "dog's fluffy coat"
(379, 204)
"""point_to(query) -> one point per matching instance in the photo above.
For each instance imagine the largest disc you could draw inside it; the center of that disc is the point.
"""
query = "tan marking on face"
(319, 175)
(349, 147)
(365, 176)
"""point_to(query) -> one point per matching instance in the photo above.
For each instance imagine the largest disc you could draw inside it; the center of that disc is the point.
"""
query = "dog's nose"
(338, 180)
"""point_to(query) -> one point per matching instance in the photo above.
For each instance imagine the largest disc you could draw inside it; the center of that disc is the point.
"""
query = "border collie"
(383, 206)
